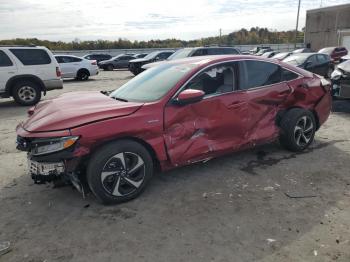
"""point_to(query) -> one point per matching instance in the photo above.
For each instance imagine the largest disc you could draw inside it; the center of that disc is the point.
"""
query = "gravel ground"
(240, 207)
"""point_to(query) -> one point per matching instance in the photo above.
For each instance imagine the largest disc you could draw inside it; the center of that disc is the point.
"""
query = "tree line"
(255, 35)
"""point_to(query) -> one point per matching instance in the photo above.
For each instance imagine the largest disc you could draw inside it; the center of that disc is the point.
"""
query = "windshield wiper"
(120, 99)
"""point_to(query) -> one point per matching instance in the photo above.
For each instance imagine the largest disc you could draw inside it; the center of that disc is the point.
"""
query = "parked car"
(302, 50)
(314, 62)
(182, 112)
(97, 57)
(344, 58)
(269, 54)
(341, 81)
(117, 62)
(258, 48)
(136, 64)
(26, 72)
(281, 56)
(334, 52)
(197, 51)
(77, 67)
(263, 51)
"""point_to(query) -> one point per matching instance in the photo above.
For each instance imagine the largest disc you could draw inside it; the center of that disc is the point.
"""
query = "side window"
(66, 59)
(75, 59)
(230, 51)
(215, 80)
(32, 56)
(4, 60)
(322, 59)
(59, 59)
(215, 51)
(312, 60)
(288, 75)
(258, 73)
(200, 52)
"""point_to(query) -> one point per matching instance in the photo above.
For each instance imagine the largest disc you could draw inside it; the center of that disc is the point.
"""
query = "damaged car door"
(266, 90)
(216, 124)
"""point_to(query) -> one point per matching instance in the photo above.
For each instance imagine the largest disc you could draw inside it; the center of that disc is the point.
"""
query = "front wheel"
(298, 128)
(119, 171)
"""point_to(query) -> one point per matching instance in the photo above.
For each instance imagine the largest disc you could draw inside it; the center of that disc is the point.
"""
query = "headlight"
(47, 146)
(336, 75)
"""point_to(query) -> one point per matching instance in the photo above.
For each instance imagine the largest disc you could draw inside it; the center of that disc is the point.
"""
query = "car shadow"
(219, 204)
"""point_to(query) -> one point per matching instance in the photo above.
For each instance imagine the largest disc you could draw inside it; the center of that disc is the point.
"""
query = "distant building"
(329, 26)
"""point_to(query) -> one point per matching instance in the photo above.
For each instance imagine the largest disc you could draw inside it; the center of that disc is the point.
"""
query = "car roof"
(69, 56)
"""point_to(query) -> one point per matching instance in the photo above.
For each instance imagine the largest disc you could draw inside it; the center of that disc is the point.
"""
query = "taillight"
(58, 72)
(94, 62)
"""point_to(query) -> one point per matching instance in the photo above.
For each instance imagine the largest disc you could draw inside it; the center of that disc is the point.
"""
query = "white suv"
(77, 67)
(26, 72)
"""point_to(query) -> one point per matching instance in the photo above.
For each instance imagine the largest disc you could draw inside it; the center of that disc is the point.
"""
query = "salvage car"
(281, 56)
(341, 81)
(316, 63)
(334, 52)
(77, 67)
(117, 62)
(97, 57)
(184, 111)
(196, 51)
(135, 65)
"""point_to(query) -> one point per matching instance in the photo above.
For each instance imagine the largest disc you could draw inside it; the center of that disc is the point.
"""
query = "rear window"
(32, 56)
(258, 73)
(288, 75)
(4, 60)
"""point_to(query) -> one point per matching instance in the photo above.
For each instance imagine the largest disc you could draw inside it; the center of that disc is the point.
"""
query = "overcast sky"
(146, 19)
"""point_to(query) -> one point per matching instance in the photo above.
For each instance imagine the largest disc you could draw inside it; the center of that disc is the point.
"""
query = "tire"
(298, 128)
(26, 93)
(83, 75)
(109, 68)
(113, 182)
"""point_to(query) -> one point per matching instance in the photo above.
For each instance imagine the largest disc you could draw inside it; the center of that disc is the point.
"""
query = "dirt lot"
(235, 208)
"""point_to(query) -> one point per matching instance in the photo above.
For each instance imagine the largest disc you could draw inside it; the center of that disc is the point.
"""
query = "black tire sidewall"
(288, 123)
(81, 74)
(22, 83)
(101, 156)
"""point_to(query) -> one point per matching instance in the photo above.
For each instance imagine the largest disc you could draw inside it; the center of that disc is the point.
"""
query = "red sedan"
(178, 113)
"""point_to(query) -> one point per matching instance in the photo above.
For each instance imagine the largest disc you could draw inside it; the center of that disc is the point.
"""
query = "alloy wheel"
(303, 131)
(123, 174)
(27, 93)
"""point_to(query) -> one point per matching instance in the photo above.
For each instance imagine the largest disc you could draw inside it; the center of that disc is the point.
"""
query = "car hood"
(139, 60)
(75, 109)
(345, 66)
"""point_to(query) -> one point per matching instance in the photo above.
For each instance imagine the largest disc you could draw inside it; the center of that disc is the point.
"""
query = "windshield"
(296, 59)
(116, 57)
(152, 84)
(151, 55)
(182, 53)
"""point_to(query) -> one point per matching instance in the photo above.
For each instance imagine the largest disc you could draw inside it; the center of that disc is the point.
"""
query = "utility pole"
(296, 27)
(220, 33)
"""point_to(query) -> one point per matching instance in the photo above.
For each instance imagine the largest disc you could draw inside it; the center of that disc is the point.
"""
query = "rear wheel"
(119, 171)
(298, 127)
(109, 68)
(26, 93)
(83, 75)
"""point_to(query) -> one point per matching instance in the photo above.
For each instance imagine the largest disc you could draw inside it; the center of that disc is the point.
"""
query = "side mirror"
(189, 96)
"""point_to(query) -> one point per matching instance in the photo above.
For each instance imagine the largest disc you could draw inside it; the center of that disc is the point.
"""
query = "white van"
(26, 72)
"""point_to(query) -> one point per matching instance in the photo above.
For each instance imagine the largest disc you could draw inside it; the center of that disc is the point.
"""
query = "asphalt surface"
(265, 204)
